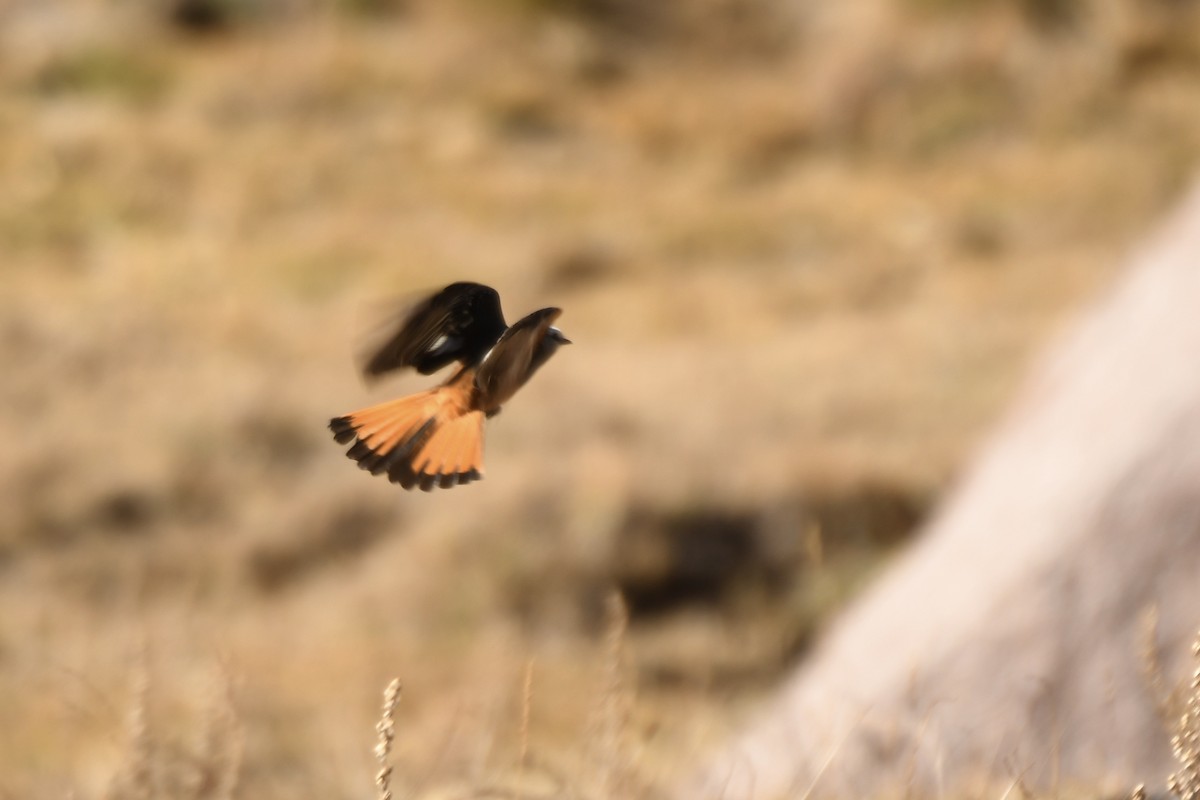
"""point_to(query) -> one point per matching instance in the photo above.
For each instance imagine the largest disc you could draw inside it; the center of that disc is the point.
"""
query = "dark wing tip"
(394, 461)
(404, 475)
(343, 429)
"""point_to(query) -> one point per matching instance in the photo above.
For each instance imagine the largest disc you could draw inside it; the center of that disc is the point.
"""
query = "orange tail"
(425, 440)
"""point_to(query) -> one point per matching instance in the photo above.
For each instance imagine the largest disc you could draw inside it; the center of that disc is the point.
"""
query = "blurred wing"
(459, 323)
(508, 364)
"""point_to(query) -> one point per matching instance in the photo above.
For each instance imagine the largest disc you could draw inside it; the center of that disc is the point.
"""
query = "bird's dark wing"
(459, 323)
(512, 360)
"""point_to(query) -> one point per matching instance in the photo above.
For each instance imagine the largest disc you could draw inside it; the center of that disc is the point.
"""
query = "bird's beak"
(558, 336)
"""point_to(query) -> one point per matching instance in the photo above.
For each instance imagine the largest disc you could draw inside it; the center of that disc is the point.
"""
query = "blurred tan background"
(805, 251)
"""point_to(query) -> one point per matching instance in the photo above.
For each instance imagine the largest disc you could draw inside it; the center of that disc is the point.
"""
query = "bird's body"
(435, 438)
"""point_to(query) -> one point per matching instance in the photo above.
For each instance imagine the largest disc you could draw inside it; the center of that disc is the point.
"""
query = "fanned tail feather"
(425, 440)
(451, 454)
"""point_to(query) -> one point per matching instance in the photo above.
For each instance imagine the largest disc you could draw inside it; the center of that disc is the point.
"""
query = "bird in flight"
(434, 438)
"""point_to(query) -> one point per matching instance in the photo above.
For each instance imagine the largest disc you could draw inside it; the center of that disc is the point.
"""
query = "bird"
(434, 439)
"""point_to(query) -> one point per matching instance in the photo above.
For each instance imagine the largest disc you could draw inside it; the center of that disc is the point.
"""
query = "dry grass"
(137, 780)
(386, 728)
(1179, 708)
(1185, 739)
(158, 765)
(803, 272)
(609, 738)
(608, 766)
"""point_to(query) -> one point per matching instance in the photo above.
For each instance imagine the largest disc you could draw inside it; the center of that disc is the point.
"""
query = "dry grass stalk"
(1166, 700)
(1179, 708)
(386, 728)
(830, 758)
(141, 763)
(615, 704)
(135, 778)
(1185, 784)
(526, 706)
(1138, 793)
(222, 746)
(1017, 786)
